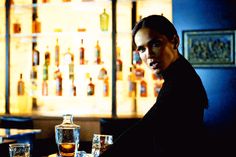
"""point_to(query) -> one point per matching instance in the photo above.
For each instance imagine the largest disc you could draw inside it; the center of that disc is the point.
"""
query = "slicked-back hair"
(157, 23)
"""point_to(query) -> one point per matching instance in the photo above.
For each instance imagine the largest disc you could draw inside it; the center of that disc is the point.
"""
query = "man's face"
(155, 49)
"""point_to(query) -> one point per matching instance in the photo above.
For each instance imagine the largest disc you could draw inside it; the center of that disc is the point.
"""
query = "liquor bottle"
(97, 52)
(119, 65)
(104, 20)
(44, 88)
(17, 26)
(81, 52)
(74, 88)
(102, 73)
(90, 88)
(136, 58)
(35, 56)
(143, 88)
(68, 57)
(106, 86)
(34, 73)
(57, 53)
(45, 72)
(132, 83)
(36, 25)
(20, 86)
(71, 71)
(47, 57)
(58, 79)
(45, 1)
(139, 72)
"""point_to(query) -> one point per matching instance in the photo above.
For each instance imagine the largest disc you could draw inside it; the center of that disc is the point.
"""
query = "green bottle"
(104, 20)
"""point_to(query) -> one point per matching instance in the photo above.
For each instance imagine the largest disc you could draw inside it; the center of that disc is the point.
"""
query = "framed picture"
(210, 48)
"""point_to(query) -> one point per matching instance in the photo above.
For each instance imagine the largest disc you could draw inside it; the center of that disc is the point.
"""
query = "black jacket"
(174, 124)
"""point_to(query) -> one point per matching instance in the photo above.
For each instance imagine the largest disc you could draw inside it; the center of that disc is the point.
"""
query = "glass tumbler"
(67, 137)
(100, 143)
(19, 150)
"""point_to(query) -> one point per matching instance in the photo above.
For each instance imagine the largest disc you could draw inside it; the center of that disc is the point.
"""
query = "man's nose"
(149, 53)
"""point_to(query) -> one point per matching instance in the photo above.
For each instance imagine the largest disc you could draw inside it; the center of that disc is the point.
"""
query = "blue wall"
(220, 83)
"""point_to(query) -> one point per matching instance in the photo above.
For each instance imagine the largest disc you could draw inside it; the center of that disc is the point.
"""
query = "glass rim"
(19, 145)
(103, 135)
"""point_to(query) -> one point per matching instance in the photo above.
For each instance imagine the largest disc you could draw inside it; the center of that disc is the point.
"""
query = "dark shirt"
(174, 124)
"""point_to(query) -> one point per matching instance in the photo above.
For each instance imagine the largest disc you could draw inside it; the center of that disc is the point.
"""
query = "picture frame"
(210, 48)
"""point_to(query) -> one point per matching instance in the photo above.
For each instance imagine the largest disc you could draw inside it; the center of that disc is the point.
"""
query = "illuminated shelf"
(61, 34)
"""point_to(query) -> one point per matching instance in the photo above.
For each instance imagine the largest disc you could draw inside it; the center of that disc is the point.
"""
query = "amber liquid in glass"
(67, 149)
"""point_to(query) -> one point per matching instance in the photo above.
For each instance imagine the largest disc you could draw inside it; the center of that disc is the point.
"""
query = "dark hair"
(157, 23)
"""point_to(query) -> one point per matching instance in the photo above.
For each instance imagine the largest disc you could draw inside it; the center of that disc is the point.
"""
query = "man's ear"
(176, 41)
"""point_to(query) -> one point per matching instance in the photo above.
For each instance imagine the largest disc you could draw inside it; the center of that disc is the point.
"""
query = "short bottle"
(119, 65)
(67, 135)
(106, 86)
(90, 88)
(104, 20)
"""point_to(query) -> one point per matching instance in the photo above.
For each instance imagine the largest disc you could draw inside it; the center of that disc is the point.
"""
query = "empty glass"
(100, 143)
(19, 150)
(67, 136)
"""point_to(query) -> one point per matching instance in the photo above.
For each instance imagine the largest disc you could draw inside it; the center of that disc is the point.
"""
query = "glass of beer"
(100, 143)
(67, 137)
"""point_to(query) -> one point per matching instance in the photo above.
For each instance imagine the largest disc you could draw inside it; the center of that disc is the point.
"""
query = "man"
(174, 125)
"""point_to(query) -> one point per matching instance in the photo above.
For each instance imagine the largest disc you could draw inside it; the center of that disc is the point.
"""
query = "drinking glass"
(67, 136)
(100, 143)
(19, 150)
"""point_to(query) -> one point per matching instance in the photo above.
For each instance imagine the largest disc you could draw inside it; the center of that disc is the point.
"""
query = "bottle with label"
(36, 24)
(45, 72)
(119, 65)
(20, 86)
(136, 58)
(97, 53)
(143, 88)
(104, 20)
(81, 52)
(47, 57)
(35, 56)
(132, 83)
(139, 72)
(57, 53)
(16, 26)
(102, 73)
(90, 88)
(106, 86)
(45, 88)
(34, 73)
(58, 79)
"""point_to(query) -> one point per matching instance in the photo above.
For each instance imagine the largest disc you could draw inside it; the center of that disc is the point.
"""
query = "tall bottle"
(104, 20)
(20, 86)
(57, 53)
(143, 88)
(106, 86)
(97, 53)
(132, 83)
(81, 52)
(35, 56)
(69, 61)
(119, 65)
(45, 88)
(45, 71)
(90, 88)
(58, 79)
(47, 56)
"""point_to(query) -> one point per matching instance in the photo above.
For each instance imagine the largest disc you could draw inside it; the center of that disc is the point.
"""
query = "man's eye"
(156, 44)
(141, 50)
